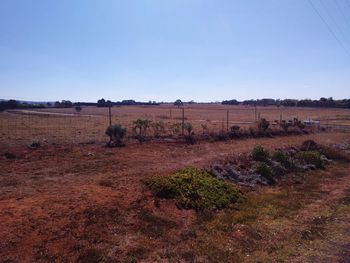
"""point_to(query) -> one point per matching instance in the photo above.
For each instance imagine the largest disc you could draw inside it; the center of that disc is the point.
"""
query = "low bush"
(265, 171)
(260, 154)
(311, 157)
(194, 189)
(116, 134)
(263, 124)
(283, 158)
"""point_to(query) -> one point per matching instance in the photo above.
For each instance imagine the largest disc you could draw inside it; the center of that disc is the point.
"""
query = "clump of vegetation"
(78, 108)
(235, 128)
(140, 127)
(265, 171)
(116, 134)
(311, 157)
(176, 127)
(298, 123)
(194, 189)
(263, 124)
(285, 125)
(158, 128)
(189, 137)
(260, 154)
(283, 158)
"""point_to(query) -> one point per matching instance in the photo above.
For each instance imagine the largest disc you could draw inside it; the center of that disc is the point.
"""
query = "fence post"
(170, 113)
(227, 119)
(110, 115)
(183, 121)
(255, 111)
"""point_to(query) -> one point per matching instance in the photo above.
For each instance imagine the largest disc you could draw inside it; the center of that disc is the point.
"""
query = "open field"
(65, 125)
(87, 203)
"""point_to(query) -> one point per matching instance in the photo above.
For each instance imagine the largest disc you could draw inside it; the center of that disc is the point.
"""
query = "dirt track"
(58, 201)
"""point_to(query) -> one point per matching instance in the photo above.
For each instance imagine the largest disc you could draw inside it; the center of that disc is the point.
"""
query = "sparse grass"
(154, 226)
(194, 189)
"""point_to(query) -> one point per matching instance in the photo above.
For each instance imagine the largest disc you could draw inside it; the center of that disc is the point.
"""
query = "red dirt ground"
(57, 202)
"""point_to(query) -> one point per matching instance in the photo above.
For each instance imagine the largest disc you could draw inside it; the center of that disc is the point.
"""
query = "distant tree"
(178, 103)
(78, 108)
(230, 102)
(101, 103)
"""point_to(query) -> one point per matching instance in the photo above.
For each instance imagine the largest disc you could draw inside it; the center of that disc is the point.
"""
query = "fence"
(67, 126)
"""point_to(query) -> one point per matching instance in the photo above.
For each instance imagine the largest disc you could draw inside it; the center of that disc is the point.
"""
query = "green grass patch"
(194, 189)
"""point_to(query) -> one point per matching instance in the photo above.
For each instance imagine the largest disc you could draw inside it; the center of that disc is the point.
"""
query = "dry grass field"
(68, 126)
(73, 202)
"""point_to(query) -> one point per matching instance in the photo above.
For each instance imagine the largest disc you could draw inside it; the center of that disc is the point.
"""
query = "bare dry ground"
(87, 203)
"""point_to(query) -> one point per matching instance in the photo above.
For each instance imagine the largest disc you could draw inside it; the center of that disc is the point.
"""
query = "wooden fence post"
(183, 121)
(110, 115)
(227, 119)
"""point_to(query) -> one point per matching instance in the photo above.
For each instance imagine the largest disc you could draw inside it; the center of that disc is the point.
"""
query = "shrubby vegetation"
(116, 134)
(260, 154)
(194, 189)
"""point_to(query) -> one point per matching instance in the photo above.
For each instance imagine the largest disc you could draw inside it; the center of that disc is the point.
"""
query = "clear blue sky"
(162, 50)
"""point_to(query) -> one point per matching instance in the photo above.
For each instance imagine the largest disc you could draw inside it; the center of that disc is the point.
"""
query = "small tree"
(116, 134)
(178, 103)
(78, 108)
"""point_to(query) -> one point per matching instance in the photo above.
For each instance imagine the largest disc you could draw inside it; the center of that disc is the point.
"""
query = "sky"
(162, 50)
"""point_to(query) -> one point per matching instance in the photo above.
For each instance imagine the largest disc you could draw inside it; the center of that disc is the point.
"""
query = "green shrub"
(311, 157)
(265, 171)
(260, 154)
(283, 158)
(194, 189)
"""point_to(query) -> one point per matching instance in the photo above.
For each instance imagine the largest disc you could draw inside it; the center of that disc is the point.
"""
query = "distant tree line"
(14, 104)
(321, 103)
(107, 103)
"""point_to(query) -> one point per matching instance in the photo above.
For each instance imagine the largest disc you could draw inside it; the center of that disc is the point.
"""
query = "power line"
(342, 12)
(329, 27)
(333, 19)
